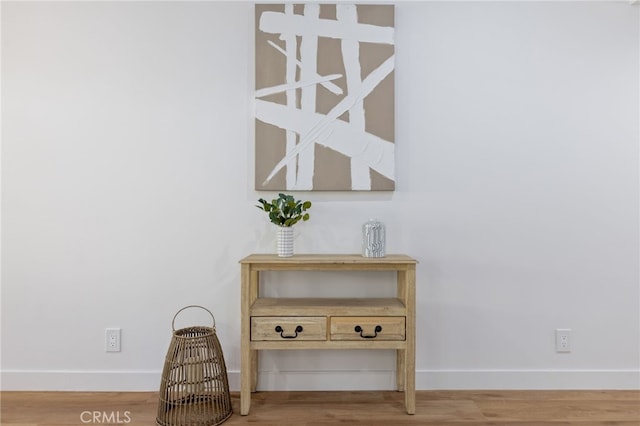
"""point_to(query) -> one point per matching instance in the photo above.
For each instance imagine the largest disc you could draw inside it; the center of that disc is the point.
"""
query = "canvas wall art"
(324, 100)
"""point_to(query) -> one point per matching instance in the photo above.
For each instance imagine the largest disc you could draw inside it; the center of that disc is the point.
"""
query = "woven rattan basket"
(194, 390)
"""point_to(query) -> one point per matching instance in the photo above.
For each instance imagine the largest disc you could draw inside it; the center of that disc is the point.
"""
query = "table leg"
(410, 352)
(401, 279)
(410, 381)
(245, 337)
(254, 370)
(400, 371)
(245, 384)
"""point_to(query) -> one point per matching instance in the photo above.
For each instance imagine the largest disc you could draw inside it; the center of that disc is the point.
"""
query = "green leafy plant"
(285, 210)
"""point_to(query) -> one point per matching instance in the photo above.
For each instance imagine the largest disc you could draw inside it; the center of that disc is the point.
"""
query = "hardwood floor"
(442, 408)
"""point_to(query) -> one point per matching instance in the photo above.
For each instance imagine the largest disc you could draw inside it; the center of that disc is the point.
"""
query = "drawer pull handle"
(359, 329)
(281, 331)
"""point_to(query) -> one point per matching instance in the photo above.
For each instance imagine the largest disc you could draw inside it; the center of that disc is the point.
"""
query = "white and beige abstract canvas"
(324, 99)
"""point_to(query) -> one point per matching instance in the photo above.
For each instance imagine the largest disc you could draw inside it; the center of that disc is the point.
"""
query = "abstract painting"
(324, 99)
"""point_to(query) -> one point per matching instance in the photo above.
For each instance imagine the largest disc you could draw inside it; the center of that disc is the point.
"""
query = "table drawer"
(367, 328)
(288, 328)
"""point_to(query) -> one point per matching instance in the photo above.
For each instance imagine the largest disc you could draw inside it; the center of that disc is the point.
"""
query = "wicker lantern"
(194, 390)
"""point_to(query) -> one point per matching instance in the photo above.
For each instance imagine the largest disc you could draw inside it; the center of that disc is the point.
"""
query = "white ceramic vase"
(373, 239)
(285, 241)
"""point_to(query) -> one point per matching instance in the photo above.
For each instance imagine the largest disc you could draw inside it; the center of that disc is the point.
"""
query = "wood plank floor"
(442, 408)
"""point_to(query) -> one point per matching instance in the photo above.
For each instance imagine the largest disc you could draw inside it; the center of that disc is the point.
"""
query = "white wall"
(127, 166)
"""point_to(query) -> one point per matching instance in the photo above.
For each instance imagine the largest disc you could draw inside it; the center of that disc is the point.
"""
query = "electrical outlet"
(112, 339)
(563, 340)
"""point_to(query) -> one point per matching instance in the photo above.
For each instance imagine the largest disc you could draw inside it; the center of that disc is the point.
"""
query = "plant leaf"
(285, 210)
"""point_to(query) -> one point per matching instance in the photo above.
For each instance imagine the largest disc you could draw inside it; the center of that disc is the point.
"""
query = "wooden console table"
(328, 323)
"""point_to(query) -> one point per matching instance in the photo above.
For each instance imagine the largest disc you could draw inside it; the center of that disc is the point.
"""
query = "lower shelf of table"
(330, 344)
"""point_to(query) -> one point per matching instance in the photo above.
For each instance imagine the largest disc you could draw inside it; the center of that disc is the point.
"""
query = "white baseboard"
(85, 381)
(144, 381)
(528, 379)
